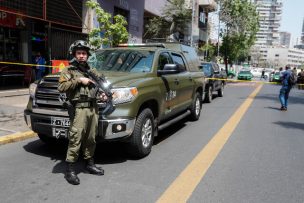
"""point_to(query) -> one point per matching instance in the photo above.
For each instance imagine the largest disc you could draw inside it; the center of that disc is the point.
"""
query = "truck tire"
(196, 107)
(220, 92)
(208, 97)
(141, 140)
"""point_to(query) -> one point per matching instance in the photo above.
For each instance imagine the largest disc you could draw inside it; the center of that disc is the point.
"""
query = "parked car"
(214, 82)
(15, 74)
(244, 75)
(276, 77)
(155, 85)
(256, 73)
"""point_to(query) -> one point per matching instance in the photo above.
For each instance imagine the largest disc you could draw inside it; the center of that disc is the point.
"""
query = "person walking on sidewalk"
(285, 89)
(84, 113)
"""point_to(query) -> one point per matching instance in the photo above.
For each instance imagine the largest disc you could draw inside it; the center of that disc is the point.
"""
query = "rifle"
(99, 88)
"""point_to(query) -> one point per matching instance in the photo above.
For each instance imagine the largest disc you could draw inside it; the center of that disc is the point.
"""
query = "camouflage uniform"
(84, 122)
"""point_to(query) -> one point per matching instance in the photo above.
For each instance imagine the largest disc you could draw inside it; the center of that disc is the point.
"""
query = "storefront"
(31, 27)
(10, 36)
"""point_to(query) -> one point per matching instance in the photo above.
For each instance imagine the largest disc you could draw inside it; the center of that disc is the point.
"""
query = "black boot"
(92, 168)
(71, 175)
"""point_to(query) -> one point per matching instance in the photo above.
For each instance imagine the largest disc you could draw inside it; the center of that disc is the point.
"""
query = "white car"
(256, 73)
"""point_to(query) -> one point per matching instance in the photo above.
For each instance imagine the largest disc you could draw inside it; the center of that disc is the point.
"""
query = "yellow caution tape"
(229, 80)
(248, 81)
(27, 64)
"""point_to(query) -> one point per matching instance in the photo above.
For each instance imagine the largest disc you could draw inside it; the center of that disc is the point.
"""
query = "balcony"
(210, 5)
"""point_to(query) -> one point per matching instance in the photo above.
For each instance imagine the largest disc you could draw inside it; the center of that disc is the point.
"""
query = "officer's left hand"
(103, 97)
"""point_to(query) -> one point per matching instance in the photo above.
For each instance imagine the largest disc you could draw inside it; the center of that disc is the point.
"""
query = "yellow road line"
(183, 186)
(16, 137)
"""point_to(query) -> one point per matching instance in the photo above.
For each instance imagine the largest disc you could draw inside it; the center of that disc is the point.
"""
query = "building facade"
(276, 57)
(270, 12)
(285, 39)
(133, 11)
(29, 27)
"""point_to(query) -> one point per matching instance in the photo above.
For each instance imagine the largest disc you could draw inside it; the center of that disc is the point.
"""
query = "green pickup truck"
(154, 85)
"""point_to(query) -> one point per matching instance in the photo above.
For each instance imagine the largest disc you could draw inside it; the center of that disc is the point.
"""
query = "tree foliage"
(242, 24)
(208, 51)
(175, 18)
(113, 32)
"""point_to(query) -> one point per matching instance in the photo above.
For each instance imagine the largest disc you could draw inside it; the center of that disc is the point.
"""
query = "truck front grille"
(47, 94)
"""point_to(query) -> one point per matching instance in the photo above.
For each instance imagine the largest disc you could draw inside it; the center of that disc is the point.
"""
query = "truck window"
(178, 59)
(164, 58)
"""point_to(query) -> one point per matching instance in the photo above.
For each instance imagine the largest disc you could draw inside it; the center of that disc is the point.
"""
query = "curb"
(16, 137)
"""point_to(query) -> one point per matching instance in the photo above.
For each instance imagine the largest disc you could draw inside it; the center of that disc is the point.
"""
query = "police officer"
(84, 119)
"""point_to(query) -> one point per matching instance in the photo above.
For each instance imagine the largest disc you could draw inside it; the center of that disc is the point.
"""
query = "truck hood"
(122, 79)
(119, 79)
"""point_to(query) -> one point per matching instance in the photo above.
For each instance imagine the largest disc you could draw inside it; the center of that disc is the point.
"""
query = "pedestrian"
(285, 89)
(40, 68)
(263, 74)
(84, 119)
(301, 79)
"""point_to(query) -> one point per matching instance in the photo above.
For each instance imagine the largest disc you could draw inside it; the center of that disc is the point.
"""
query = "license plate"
(61, 122)
(60, 132)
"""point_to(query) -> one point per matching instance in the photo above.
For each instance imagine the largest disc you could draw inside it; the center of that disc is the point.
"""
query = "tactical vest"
(81, 93)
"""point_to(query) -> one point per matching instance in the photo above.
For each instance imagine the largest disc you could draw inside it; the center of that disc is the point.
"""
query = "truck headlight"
(124, 95)
(32, 89)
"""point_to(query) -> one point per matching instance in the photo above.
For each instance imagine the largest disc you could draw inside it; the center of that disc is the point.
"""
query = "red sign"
(11, 20)
(59, 65)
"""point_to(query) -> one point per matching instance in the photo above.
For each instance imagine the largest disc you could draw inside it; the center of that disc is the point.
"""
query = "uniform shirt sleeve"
(94, 71)
(67, 82)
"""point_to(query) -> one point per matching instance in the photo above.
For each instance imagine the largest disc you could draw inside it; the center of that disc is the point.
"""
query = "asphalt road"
(262, 161)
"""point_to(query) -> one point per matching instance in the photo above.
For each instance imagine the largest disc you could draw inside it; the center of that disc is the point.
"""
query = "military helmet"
(79, 44)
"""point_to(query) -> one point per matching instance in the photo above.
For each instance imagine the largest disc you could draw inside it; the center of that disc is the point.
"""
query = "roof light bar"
(142, 45)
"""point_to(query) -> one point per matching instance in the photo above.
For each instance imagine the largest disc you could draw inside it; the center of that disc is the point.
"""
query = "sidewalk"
(14, 92)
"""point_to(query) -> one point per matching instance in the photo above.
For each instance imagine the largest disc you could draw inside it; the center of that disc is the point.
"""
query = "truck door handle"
(190, 78)
(176, 81)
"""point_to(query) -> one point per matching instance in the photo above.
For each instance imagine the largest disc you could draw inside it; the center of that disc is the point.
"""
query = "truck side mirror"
(169, 69)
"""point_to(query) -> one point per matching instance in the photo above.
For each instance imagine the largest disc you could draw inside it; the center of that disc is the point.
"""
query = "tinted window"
(122, 60)
(164, 58)
(177, 59)
(207, 69)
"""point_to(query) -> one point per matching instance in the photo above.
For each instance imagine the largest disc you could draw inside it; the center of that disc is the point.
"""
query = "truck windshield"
(122, 60)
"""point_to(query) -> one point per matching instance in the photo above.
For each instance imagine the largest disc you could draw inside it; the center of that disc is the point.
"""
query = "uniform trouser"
(82, 133)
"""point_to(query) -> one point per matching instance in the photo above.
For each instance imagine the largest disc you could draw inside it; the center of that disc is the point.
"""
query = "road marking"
(184, 185)
(16, 137)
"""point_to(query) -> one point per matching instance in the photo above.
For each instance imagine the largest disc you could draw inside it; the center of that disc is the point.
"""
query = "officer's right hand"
(85, 81)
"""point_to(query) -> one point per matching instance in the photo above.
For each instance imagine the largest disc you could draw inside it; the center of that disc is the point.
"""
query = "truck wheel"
(143, 135)
(196, 107)
(220, 92)
(46, 139)
(208, 98)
